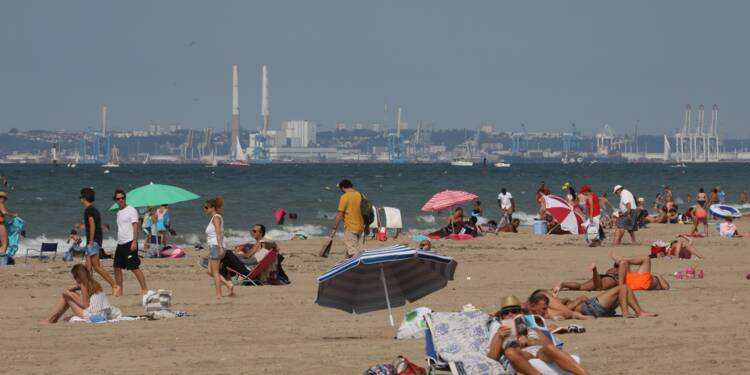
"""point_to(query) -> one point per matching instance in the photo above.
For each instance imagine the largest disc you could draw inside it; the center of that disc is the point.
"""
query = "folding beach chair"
(253, 276)
(47, 247)
(460, 345)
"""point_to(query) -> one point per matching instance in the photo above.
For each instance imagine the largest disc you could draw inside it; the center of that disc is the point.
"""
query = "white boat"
(502, 164)
(240, 159)
(680, 165)
(114, 160)
(147, 159)
(462, 163)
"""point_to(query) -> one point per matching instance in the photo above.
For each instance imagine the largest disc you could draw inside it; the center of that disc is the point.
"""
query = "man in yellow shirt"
(350, 212)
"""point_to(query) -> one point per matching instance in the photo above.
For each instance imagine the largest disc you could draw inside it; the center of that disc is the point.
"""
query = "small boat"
(240, 159)
(502, 164)
(114, 160)
(235, 163)
(680, 165)
(462, 163)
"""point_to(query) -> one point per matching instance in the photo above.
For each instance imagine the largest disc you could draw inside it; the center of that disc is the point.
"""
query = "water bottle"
(700, 274)
(690, 272)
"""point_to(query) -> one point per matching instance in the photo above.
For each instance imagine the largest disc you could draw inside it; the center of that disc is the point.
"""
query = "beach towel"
(393, 218)
(14, 228)
(172, 252)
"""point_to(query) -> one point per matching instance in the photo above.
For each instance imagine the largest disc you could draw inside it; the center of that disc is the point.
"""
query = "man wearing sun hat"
(519, 350)
(627, 220)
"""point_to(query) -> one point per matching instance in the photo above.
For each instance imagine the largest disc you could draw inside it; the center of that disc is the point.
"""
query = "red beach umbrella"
(569, 218)
(446, 199)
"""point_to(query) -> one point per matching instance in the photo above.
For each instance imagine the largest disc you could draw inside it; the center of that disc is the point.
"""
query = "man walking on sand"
(507, 206)
(92, 221)
(350, 212)
(126, 255)
(628, 220)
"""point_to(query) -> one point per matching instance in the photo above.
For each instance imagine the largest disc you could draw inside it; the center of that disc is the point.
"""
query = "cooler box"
(540, 227)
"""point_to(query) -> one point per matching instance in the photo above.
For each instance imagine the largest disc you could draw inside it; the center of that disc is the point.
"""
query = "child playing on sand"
(86, 299)
(75, 246)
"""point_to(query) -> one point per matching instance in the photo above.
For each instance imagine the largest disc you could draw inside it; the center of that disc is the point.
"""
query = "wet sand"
(702, 326)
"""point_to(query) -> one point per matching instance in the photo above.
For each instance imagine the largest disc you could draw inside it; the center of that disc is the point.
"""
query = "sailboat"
(466, 160)
(147, 159)
(114, 160)
(240, 159)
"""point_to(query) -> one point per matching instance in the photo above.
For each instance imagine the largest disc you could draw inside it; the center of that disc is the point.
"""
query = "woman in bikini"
(700, 215)
(701, 198)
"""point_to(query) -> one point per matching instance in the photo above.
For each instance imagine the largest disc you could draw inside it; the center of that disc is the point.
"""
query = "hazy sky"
(452, 63)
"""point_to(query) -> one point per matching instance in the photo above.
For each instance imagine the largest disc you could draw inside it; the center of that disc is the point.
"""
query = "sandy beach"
(702, 325)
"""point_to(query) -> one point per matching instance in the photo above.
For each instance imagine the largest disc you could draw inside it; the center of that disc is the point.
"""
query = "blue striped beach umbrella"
(381, 278)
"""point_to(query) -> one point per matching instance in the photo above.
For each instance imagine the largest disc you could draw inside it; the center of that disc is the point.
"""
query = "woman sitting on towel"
(86, 299)
(253, 254)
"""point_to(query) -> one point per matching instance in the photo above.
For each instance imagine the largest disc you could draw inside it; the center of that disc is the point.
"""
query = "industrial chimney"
(104, 121)
(264, 98)
(235, 109)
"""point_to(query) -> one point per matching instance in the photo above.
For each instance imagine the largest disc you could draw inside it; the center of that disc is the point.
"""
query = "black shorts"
(124, 258)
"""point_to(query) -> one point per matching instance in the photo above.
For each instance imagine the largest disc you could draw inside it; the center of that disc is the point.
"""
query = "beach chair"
(458, 342)
(47, 247)
(253, 276)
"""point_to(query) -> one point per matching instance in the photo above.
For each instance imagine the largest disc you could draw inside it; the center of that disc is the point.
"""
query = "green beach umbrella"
(156, 195)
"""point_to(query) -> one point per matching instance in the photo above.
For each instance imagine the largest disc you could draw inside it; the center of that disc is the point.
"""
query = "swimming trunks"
(638, 280)
(592, 307)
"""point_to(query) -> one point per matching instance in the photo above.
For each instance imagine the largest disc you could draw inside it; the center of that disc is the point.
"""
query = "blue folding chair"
(47, 247)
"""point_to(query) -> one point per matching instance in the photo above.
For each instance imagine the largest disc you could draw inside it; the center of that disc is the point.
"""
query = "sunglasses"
(254, 231)
(119, 198)
(510, 311)
(205, 207)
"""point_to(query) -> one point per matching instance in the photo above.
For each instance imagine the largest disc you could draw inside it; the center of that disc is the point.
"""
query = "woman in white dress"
(215, 240)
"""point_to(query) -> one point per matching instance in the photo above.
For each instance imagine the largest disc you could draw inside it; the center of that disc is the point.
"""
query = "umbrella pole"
(387, 298)
(553, 228)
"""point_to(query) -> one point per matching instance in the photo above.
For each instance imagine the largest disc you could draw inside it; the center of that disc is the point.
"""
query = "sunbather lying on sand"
(642, 278)
(605, 281)
(556, 308)
(518, 350)
(605, 303)
(683, 248)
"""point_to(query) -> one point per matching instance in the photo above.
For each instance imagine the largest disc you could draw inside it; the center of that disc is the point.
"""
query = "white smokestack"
(235, 90)
(104, 120)
(264, 97)
(235, 108)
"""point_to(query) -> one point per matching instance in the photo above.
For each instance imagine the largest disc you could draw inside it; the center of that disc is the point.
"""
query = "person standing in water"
(507, 206)
(126, 254)
(215, 240)
(93, 222)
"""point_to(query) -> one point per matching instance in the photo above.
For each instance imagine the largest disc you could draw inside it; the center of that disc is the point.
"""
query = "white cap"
(617, 187)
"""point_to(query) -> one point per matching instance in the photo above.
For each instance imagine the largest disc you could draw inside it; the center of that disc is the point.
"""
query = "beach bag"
(368, 213)
(406, 367)
(385, 369)
(382, 234)
(157, 301)
(413, 326)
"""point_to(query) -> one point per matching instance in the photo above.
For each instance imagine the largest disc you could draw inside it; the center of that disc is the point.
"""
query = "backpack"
(368, 213)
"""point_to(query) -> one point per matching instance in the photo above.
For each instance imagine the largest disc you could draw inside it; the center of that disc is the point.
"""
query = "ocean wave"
(429, 219)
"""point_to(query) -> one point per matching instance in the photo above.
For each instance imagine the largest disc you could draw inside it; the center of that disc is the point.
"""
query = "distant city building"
(359, 126)
(488, 129)
(376, 127)
(299, 133)
(340, 126)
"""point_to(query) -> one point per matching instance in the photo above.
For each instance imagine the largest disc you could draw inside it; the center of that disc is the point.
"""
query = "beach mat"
(326, 249)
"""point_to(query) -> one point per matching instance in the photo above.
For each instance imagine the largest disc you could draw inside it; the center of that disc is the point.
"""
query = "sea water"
(47, 196)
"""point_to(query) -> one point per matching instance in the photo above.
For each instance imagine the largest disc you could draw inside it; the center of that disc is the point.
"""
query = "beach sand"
(702, 326)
